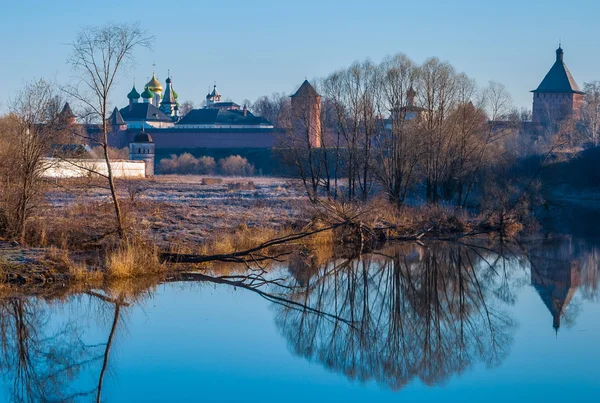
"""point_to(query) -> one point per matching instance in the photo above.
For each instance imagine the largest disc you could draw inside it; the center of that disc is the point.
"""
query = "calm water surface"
(446, 322)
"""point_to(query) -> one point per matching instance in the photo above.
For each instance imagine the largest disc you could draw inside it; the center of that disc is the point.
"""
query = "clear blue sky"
(252, 48)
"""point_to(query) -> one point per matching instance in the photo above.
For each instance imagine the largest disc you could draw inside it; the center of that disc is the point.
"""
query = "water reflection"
(425, 312)
(405, 313)
(559, 267)
(40, 360)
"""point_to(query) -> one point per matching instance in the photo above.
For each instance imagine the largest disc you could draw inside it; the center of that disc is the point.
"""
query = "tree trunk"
(111, 181)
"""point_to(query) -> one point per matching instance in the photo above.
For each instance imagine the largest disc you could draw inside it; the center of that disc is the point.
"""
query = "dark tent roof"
(169, 96)
(66, 111)
(559, 78)
(207, 116)
(306, 90)
(116, 119)
(144, 111)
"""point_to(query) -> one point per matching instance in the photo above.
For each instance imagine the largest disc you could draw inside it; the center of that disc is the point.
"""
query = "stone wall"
(80, 168)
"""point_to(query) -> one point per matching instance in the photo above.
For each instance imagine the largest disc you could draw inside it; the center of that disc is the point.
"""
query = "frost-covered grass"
(174, 211)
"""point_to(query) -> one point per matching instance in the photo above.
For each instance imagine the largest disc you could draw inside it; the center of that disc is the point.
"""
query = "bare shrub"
(183, 164)
(235, 165)
(187, 164)
(206, 165)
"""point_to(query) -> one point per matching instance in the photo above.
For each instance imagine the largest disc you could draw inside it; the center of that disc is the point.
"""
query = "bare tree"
(437, 94)
(276, 109)
(590, 113)
(26, 138)
(398, 146)
(186, 107)
(99, 54)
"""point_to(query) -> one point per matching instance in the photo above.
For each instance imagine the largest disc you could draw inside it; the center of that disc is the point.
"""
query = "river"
(483, 320)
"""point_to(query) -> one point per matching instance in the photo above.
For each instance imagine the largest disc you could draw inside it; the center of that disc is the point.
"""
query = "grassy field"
(172, 210)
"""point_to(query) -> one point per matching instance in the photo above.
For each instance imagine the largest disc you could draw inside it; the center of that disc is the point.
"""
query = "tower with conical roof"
(213, 97)
(558, 96)
(169, 103)
(118, 131)
(306, 114)
(66, 115)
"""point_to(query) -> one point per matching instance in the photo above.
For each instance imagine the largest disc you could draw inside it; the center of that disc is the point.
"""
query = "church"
(218, 124)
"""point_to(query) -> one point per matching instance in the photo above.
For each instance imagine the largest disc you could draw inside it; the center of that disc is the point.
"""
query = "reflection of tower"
(142, 149)
(306, 113)
(556, 277)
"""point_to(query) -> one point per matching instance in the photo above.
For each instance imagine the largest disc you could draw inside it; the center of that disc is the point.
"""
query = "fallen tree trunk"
(247, 255)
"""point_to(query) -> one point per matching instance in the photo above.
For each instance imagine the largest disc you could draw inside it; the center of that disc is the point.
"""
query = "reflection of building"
(558, 96)
(556, 276)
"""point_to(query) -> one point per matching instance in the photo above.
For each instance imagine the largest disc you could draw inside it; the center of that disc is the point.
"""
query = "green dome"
(174, 93)
(133, 94)
(147, 94)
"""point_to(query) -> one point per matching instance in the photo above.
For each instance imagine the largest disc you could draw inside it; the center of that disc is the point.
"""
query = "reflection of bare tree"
(40, 362)
(41, 359)
(411, 312)
(418, 312)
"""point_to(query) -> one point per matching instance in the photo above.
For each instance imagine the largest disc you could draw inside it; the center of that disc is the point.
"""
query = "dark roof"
(224, 104)
(116, 119)
(559, 78)
(207, 116)
(142, 137)
(306, 90)
(66, 111)
(144, 111)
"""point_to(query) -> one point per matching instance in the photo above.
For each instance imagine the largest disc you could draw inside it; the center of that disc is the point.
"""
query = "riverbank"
(175, 223)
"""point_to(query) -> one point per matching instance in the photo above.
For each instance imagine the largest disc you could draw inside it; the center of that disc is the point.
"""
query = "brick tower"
(558, 96)
(306, 113)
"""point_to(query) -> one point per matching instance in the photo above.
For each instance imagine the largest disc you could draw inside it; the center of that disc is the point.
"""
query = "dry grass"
(242, 238)
(133, 257)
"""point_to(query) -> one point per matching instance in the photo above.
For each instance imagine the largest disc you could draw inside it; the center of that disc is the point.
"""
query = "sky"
(258, 47)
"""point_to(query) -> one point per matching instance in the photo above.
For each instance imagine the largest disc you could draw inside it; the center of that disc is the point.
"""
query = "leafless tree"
(398, 148)
(590, 113)
(186, 107)
(99, 54)
(26, 137)
(437, 94)
(276, 109)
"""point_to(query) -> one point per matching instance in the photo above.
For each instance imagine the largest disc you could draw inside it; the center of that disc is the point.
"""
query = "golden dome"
(154, 85)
